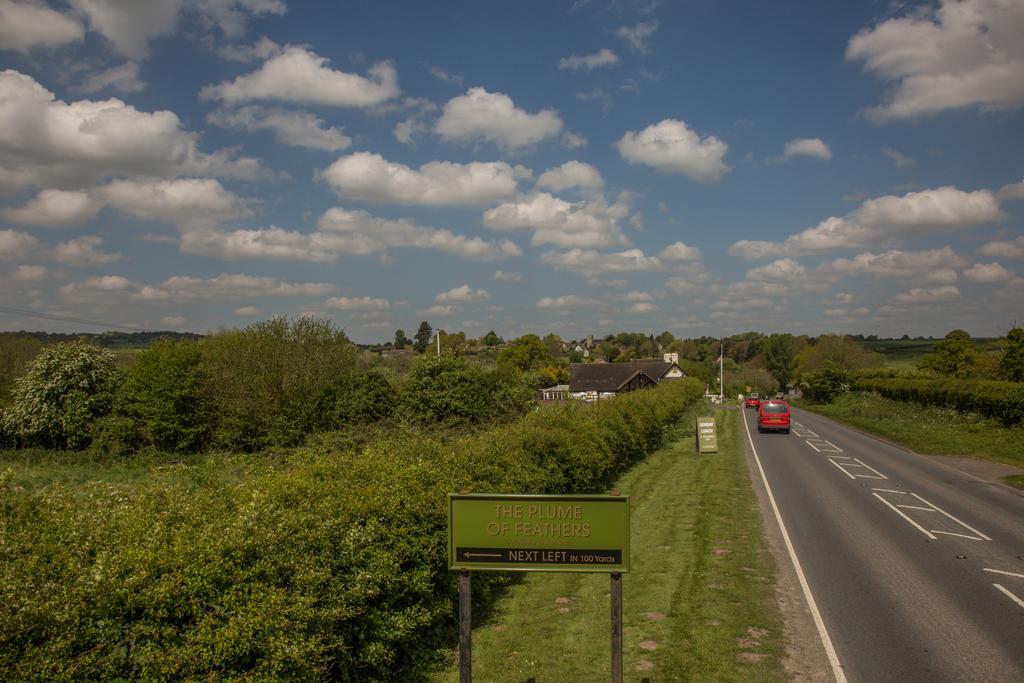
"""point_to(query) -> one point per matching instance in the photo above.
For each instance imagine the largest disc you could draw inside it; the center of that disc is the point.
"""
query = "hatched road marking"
(932, 508)
(857, 463)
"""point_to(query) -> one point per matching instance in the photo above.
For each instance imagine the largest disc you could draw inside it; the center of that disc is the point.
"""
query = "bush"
(451, 391)
(167, 393)
(357, 399)
(333, 567)
(826, 383)
(115, 436)
(266, 381)
(65, 388)
(1000, 400)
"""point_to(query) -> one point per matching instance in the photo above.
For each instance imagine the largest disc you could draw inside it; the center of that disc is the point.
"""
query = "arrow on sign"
(498, 555)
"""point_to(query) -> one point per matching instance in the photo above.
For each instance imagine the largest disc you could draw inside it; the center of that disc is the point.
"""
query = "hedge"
(1003, 401)
(332, 566)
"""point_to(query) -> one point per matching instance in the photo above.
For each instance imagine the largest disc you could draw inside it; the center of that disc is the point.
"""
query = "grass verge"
(924, 429)
(699, 603)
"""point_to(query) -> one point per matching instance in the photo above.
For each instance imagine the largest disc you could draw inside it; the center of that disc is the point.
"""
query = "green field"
(699, 603)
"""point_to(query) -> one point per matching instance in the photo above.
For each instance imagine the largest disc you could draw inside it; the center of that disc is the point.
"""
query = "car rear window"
(776, 408)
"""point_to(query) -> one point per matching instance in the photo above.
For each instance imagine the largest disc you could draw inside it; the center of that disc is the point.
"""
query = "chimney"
(671, 357)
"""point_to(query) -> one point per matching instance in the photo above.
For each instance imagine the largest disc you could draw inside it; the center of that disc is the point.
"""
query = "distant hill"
(109, 340)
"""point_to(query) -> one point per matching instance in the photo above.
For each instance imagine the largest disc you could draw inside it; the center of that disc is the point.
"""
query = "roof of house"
(602, 376)
(654, 368)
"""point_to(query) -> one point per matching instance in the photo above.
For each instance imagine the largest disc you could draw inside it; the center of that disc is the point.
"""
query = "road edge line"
(826, 641)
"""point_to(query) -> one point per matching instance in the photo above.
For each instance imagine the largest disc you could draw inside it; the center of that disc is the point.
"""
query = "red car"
(753, 401)
(773, 415)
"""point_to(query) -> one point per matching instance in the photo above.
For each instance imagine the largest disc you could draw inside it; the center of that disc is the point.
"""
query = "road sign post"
(494, 532)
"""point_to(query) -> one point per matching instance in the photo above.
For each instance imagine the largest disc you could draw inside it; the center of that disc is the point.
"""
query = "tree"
(665, 339)
(16, 351)
(63, 391)
(401, 341)
(166, 392)
(839, 349)
(553, 344)
(827, 382)
(954, 356)
(1012, 364)
(491, 339)
(453, 343)
(422, 337)
(780, 351)
(523, 353)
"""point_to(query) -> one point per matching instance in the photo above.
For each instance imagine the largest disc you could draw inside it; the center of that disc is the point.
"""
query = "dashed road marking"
(932, 507)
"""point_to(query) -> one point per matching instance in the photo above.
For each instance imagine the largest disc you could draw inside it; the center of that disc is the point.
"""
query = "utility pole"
(721, 373)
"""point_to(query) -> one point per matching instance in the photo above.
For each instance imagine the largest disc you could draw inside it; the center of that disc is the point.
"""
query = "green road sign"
(538, 533)
(707, 435)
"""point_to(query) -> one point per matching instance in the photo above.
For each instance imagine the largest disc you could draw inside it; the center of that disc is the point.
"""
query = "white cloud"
(297, 74)
(944, 209)
(942, 276)
(638, 37)
(295, 128)
(671, 146)
(634, 296)
(571, 174)
(603, 57)
(897, 263)
(782, 270)
(571, 140)
(589, 223)
(26, 25)
(919, 295)
(83, 252)
(642, 307)
(29, 273)
(370, 177)
(49, 143)
(901, 160)
(964, 53)
(261, 50)
(231, 16)
(1011, 192)
(408, 129)
(248, 310)
(502, 276)
(229, 285)
(567, 301)
(988, 272)
(678, 251)
(592, 263)
(445, 76)
(342, 232)
(173, 320)
(55, 209)
(190, 202)
(16, 246)
(808, 147)
(129, 26)
(463, 294)
(124, 77)
(438, 311)
(1012, 249)
(359, 303)
(482, 115)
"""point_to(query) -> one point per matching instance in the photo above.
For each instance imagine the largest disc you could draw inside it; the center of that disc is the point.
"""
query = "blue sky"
(575, 167)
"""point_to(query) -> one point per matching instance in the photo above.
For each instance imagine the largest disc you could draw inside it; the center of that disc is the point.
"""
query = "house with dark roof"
(597, 381)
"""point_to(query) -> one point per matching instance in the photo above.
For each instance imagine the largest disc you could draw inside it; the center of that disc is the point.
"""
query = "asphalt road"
(916, 569)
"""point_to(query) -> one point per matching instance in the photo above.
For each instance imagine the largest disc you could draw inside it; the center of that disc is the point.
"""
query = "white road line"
(938, 509)
(950, 533)
(840, 450)
(826, 641)
(900, 513)
(841, 469)
(1000, 571)
(864, 464)
(812, 446)
(902, 493)
(1010, 595)
(915, 507)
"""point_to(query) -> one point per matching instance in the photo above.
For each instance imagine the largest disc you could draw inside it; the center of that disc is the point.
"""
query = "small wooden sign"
(707, 435)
